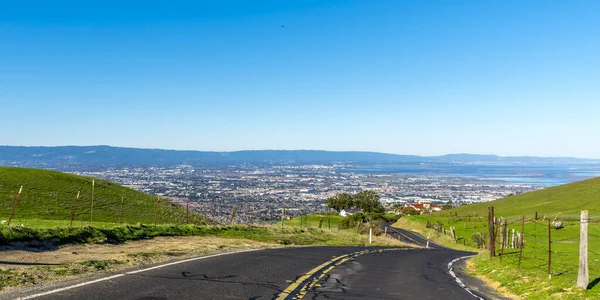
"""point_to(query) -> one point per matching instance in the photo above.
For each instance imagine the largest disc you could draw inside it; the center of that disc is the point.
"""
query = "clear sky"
(411, 77)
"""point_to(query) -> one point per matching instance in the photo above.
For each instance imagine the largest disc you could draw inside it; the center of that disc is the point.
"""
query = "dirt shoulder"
(22, 266)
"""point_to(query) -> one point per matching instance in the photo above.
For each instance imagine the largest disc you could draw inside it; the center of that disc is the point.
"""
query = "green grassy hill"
(48, 197)
(566, 201)
(329, 221)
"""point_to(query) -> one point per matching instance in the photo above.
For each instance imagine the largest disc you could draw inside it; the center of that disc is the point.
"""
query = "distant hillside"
(49, 195)
(75, 156)
(563, 200)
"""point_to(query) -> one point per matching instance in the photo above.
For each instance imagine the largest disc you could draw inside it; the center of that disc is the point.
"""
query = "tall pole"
(187, 210)
(282, 217)
(92, 208)
(583, 276)
(74, 209)
(15, 205)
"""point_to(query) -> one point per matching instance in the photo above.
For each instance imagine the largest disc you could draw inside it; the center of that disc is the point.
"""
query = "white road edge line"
(134, 272)
(460, 283)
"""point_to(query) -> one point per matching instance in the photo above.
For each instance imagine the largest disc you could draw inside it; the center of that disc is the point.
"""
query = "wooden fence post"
(232, 215)
(453, 230)
(14, 206)
(74, 209)
(491, 245)
(512, 238)
(496, 228)
(583, 277)
(503, 242)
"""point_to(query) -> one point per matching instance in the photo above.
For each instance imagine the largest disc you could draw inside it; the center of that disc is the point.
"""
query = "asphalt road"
(412, 238)
(265, 274)
(286, 273)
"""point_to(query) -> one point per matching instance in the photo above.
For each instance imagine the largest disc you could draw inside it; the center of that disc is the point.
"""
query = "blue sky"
(411, 77)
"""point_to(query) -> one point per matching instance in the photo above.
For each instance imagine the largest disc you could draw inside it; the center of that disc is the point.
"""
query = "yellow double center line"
(300, 287)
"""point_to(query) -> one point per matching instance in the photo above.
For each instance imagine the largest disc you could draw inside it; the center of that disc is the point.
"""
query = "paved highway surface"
(285, 273)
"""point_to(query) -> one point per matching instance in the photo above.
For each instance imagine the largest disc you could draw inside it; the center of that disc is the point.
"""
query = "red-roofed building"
(424, 207)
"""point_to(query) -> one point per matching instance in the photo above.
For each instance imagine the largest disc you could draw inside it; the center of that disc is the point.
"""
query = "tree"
(340, 201)
(368, 201)
(411, 211)
(448, 205)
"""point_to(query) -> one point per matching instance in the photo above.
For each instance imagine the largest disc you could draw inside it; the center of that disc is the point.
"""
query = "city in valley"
(258, 192)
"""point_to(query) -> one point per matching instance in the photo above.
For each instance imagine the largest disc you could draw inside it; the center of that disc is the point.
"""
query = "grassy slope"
(123, 233)
(48, 198)
(531, 280)
(565, 200)
(314, 220)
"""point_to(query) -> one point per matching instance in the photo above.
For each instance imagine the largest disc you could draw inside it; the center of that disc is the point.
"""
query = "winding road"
(284, 273)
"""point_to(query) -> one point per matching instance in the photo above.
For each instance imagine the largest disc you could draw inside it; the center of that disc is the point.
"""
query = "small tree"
(448, 205)
(340, 201)
(479, 238)
(411, 211)
(368, 201)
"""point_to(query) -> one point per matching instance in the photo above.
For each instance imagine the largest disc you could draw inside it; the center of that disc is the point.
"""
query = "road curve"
(412, 237)
(285, 273)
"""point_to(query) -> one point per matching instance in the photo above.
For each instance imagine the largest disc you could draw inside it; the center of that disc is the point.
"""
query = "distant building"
(424, 207)
(349, 212)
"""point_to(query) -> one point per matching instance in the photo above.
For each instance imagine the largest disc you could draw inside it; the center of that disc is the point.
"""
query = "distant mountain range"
(77, 156)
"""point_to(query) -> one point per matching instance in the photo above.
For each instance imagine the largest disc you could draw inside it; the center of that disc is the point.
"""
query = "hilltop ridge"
(49, 157)
(563, 200)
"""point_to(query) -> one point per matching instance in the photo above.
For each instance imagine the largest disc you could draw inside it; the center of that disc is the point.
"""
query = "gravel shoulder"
(22, 267)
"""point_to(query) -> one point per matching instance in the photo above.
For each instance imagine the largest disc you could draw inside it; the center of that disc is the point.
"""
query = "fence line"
(548, 243)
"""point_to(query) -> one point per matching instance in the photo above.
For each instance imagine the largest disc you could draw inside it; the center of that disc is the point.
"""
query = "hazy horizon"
(350, 150)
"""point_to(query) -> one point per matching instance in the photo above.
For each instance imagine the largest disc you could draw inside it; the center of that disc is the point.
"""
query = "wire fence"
(542, 242)
(95, 204)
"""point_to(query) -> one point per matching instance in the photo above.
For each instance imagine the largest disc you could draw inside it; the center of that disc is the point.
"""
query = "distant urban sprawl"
(258, 192)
